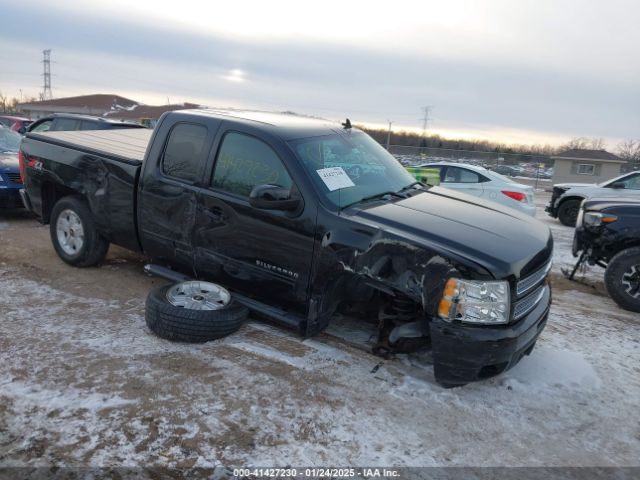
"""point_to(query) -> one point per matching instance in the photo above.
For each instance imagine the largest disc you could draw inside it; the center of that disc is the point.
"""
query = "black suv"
(608, 234)
(67, 121)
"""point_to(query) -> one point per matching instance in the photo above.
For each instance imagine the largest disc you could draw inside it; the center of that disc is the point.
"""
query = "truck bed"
(128, 145)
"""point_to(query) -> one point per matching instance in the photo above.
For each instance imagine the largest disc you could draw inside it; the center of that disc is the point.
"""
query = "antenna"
(46, 62)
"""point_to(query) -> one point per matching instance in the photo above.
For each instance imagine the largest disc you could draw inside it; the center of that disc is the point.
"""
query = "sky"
(515, 71)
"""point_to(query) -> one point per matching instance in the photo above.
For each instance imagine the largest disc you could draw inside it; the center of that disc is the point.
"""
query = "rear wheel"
(568, 212)
(622, 279)
(74, 235)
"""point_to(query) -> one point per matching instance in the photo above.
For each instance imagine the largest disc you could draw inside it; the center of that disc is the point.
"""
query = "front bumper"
(10, 198)
(463, 354)
(551, 209)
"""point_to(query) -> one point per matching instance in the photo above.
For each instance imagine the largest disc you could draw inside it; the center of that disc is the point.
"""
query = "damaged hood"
(501, 240)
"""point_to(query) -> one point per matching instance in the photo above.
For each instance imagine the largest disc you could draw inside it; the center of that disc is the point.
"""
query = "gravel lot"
(84, 383)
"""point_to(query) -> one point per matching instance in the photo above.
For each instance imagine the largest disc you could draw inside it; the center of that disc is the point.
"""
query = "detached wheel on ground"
(568, 212)
(622, 279)
(74, 235)
(193, 312)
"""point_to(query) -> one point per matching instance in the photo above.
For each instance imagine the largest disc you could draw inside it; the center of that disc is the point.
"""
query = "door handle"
(215, 213)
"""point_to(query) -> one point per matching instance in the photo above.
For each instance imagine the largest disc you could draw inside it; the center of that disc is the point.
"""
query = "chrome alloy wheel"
(70, 232)
(196, 295)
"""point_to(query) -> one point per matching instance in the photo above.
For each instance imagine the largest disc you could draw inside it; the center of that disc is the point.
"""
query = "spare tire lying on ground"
(193, 312)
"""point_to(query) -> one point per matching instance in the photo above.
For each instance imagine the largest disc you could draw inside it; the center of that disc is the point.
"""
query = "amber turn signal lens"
(444, 307)
(451, 288)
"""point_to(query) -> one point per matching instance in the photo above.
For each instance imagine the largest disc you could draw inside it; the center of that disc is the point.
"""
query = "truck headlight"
(474, 301)
(595, 219)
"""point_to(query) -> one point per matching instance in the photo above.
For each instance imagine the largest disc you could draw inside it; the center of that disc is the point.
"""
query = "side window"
(460, 175)
(43, 127)
(64, 124)
(633, 182)
(185, 154)
(5, 122)
(244, 162)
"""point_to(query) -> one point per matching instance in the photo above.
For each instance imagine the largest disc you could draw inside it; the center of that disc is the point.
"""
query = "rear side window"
(43, 127)
(461, 175)
(89, 125)
(64, 124)
(185, 154)
(244, 162)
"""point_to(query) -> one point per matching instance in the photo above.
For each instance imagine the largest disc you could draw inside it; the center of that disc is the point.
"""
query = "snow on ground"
(83, 382)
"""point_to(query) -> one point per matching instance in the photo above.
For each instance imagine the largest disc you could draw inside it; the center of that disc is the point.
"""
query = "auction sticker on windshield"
(335, 178)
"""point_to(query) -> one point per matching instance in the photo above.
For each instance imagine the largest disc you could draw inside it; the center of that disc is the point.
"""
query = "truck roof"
(287, 126)
(130, 145)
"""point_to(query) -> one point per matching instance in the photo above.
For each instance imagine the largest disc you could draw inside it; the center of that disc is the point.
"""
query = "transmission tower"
(425, 119)
(46, 62)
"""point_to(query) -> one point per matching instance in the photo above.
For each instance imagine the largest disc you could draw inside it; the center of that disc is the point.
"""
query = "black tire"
(191, 326)
(568, 212)
(93, 248)
(622, 279)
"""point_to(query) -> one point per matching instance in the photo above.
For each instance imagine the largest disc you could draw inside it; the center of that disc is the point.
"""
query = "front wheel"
(74, 235)
(622, 279)
(568, 212)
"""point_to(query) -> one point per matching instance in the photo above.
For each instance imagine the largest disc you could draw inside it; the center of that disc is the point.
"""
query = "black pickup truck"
(263, 204)
(607, 234)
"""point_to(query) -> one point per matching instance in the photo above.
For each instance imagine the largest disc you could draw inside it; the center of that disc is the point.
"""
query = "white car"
(567, 197)
(486, 184)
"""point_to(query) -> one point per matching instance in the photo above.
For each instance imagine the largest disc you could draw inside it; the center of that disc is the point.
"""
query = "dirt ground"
(84, 383)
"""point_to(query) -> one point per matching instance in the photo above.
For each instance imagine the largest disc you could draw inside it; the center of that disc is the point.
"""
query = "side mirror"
(272, 197)
(618, 185)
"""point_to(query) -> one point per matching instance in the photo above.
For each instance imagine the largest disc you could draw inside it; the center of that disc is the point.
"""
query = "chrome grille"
(528, 303)
(529, 282)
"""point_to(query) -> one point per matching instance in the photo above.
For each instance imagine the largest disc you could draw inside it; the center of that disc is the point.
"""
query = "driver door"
(265, 254)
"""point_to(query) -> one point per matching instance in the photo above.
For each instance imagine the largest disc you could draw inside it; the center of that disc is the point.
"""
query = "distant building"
(147, 114)
(97, 105)
(585, 166)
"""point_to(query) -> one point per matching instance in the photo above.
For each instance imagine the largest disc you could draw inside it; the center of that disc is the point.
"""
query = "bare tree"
(584, 143)
(629, 150)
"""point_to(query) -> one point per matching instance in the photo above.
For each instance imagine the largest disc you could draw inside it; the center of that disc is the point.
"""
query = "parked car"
(67, 121)
(506, 170)
(17, 124)
(566, 197)
(608, 234)
(247, 200)
(480, 182)
(10, 182)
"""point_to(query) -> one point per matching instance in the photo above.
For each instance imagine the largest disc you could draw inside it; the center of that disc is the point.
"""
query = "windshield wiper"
(376, 196)
(383, 194)
(412, 185)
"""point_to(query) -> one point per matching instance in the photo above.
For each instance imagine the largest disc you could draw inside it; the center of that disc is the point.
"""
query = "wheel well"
(51, 193)
(623, 246)
(580, 199)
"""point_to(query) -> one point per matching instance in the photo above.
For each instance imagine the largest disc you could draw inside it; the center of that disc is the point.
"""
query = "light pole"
(389, 135)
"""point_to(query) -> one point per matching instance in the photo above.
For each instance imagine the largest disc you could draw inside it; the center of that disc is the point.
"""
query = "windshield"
(349, 167)
(9, 140)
